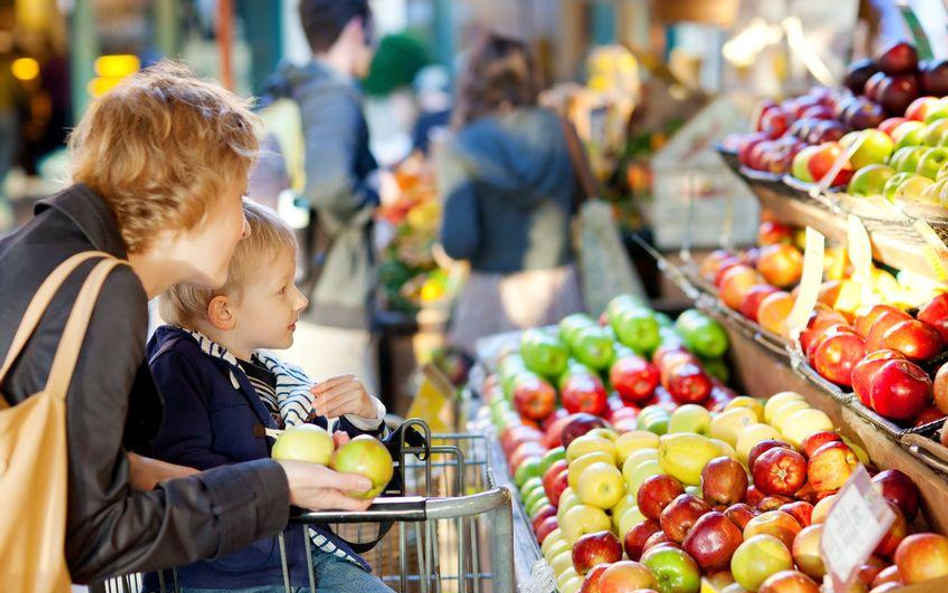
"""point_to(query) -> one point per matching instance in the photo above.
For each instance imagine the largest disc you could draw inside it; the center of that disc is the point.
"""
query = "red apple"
(880, 325)
(514, 436)
(688, 383)
(889, 125)
(917, 341)
(771, 233)
(525, 451)
(712, 541)
(897, 92)
(897, 57)
(753, 496)
(773, 502)
(813, 442)
(896, 533)
(626, 576)
(755, 295)
(823, 160)
(533, 397)
(789, 581)
(723, 482)
(634, 541)
(681, 514)
(634, 378)
(799, 510)
(659, 538)
(545, 511)
(779, 471)
(591, 581)
(600, 547)
(898, 488)
(580, 424)
(781, 265)
(935, 314)
(940, 388)
(922, 557)
(724, 268)
(546, 527)
(735, 284)
(741, 513)
(584, 393)
(836, 354)
(871, 569)
(830, 466)
(865, 323)
(820, 319)
(656, 493)
(553, 434)
(865, 370)
(759, 449)
(776, 523)
(806, 551)
(555, 486)
(900, 390)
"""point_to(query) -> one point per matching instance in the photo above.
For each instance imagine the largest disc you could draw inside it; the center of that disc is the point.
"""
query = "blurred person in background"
(433, 92)
(510, 191)
(342, 189)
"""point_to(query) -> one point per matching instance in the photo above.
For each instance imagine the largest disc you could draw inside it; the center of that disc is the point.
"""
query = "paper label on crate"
(809, 283)
(936, 252)
(860, 254)
(854, 527)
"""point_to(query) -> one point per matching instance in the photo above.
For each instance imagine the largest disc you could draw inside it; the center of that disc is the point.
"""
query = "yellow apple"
(777, 400)
(625, 503)
(785, 411)
(684, 455)
(642, 472)
(690, 418)
(725, 449)
(606, 433)
(565, 576)
(803, 424)
(306, 442)
(589, 444)
(551, 538)
(568, 500)
(633, 460)
(556, 548)
(574, 585)
(632, 441)
(752, 435)
(601, 485)
(561, 562)
(746, 401)
(576, 467)
(729, 424)
(629, 519)
(583, 519)
(859, 451)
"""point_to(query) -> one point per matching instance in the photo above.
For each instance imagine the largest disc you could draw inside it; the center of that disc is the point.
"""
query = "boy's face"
(268, 307)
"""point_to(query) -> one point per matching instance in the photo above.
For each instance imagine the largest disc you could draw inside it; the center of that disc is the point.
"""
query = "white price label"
(854, 527)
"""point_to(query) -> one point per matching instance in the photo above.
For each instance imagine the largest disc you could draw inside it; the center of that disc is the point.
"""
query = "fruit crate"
(451, 532)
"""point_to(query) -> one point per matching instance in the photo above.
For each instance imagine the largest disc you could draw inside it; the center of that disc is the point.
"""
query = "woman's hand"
(318, 488)
(145, 473)
(340, 395)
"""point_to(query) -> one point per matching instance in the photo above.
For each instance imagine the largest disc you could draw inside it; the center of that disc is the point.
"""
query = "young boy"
(222, 392)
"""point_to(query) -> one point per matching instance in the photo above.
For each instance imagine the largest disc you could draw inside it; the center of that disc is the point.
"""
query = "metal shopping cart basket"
(451, 533)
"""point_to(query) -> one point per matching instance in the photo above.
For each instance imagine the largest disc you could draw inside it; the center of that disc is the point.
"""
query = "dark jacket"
(112, 404)
(509, 192)
(341, 187)
(210, 423)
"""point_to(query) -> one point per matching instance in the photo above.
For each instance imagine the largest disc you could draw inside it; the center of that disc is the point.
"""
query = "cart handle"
(411, 509)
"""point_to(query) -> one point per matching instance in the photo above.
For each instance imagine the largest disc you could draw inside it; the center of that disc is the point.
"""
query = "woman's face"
(206, 248)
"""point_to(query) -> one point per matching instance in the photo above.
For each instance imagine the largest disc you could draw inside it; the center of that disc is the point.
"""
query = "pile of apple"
(735, 498)
(881, 356)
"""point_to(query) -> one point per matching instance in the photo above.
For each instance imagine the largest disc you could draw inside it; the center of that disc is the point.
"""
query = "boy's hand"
(340, 395)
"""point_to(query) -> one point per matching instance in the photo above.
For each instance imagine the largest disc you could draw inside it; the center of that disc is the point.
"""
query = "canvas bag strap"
(38, 305)
(67, 353)
(588, 184)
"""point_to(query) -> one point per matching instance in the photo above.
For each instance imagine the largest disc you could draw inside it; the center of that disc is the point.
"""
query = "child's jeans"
(333, 575)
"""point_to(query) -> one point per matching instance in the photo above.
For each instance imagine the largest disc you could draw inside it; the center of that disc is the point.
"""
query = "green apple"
(875, 148)
(757, 558)
(529, 468)
(571, 324)
(543, 353)
(530, 486)
(905, 160)
(583, 519)
(592, 346)
(934, 134)
(869, 180)
(909, 133)
(551, 457)
(800, 167)
(888, 190)
(690, 418)
(601, 485)
(912, 188)
(367, 456)
(674, 570)
(637, 328)
(936, 111)
(535, 503)
(306, 442)
(653, 419)
(931, 161)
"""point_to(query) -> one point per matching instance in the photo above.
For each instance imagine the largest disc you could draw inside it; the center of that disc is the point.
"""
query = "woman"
(160, 164)
(509, 192)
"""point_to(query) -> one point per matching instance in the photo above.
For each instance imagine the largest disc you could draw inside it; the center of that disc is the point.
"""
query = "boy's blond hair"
(269, 237)
(160, 146)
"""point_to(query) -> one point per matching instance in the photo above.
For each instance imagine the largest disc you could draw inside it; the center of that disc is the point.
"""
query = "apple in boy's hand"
(367, 456)
(306, 442)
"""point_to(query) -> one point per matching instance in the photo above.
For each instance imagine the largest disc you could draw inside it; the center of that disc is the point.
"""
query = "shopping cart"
(451, 533)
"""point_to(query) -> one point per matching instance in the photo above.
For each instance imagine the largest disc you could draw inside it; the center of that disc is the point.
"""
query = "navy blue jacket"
(209, 423)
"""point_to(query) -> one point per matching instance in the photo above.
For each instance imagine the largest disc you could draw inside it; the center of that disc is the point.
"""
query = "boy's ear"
(220, 313)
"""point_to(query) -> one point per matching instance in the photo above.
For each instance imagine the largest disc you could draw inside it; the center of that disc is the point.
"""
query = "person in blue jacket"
(223, 391)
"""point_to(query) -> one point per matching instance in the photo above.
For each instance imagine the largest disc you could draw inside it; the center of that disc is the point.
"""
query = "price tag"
(809, 283)
(860, 254)
(854, 527)
(935, 251)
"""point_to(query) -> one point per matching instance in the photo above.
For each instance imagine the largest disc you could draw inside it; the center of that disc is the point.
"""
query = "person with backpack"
(340, 183)
(509, 188)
